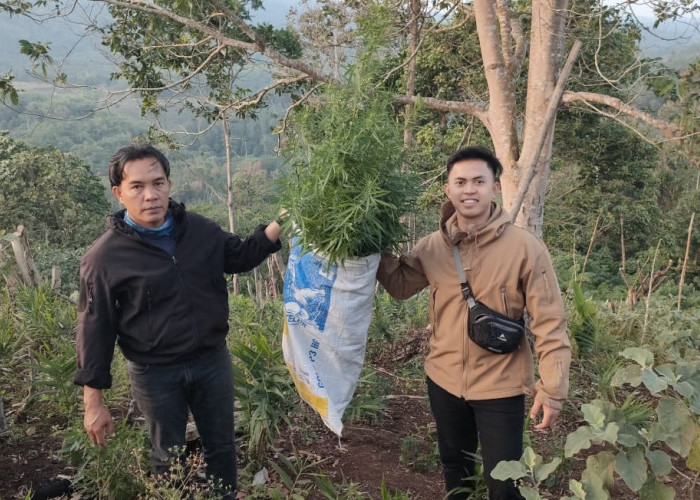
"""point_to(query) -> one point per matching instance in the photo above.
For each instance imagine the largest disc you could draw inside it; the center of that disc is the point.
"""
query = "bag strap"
(466, 289)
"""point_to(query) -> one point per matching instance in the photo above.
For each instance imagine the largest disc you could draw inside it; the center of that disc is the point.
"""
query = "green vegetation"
(617, 216)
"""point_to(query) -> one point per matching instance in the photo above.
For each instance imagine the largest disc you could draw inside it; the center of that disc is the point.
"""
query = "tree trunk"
(546, 56)
(229, 192)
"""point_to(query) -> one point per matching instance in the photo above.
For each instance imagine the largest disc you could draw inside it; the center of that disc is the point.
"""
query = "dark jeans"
(462, 424)
(205, 386)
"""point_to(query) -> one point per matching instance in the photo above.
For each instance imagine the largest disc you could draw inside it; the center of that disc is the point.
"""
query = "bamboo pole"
(685, 260)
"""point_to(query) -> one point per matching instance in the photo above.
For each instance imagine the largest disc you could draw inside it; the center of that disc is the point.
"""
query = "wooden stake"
(27, 268)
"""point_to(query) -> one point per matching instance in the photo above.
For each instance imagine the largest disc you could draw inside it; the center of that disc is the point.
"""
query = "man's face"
(471, 188)
(144, 192)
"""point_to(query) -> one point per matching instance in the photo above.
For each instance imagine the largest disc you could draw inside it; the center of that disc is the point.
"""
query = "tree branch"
(670, 130)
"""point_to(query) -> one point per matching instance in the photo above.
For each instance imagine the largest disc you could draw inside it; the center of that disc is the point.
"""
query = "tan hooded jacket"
(509, 270)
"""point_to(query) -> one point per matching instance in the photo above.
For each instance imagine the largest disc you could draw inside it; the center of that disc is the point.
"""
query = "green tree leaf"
(578, 440)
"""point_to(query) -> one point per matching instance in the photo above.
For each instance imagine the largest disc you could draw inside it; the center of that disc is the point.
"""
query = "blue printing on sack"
(307, 288)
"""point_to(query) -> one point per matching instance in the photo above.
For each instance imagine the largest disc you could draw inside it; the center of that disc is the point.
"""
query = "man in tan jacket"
(477, 396)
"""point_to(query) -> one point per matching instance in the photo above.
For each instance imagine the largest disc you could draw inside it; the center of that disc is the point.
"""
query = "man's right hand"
(97, 420)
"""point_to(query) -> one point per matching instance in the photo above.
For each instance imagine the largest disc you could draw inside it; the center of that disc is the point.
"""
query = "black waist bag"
(492, 330)
(487, 328)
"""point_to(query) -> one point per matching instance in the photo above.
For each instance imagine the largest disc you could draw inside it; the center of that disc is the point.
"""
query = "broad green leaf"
(530, 493)
(576, 488)
(684, 388)
(603, 466)
(660, 462)
(693, 461)
(508, 469)
(630, 374)
(674, 426)
(578, 440)
(593, 485)
(632, 469)
(653, 382)
(541, 471)
(656, 490)
(530, 458)
(593, 415)
(608, 434)
(642, 356)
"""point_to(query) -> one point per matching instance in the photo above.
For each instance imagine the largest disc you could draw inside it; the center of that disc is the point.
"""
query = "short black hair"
(134, 151)
(476, 153)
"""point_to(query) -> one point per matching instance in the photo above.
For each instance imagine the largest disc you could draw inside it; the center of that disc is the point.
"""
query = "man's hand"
(97, 420)
(549, 415)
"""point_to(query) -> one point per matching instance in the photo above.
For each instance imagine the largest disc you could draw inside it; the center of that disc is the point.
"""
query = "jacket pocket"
(504, 300)
(432, 315)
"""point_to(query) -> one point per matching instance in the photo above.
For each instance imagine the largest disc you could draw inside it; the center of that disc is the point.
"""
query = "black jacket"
(159, 308)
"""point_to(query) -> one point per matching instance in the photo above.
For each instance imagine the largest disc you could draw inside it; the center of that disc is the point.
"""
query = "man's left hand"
(549, 415)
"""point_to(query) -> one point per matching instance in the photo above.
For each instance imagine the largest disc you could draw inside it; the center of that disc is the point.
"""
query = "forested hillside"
(349, 107)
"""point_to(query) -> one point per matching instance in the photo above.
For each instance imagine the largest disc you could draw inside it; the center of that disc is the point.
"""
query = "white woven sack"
(328, 312)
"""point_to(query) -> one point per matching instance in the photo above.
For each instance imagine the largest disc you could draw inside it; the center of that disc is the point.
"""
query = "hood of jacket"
(479, 233)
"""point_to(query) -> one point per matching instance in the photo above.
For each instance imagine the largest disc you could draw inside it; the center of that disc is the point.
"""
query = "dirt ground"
(399, 449)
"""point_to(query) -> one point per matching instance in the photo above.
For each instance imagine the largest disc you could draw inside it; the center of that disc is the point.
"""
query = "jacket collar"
(116, 220)
(483, 233)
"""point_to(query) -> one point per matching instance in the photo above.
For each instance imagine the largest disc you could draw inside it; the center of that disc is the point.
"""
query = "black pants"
(462, 424)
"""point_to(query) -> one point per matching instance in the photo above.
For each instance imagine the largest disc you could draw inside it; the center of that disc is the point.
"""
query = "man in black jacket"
(153, 283)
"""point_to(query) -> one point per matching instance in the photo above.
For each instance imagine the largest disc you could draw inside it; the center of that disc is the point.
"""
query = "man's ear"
(117, 192)
(497, 187)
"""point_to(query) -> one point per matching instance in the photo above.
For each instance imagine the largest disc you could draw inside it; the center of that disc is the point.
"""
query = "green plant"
(419, 451)
(181, 480)
(584, 328)
(345, 158)
(636, 439)
(388, 494)
(115, 472)
(54, 382)
(368, 402)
